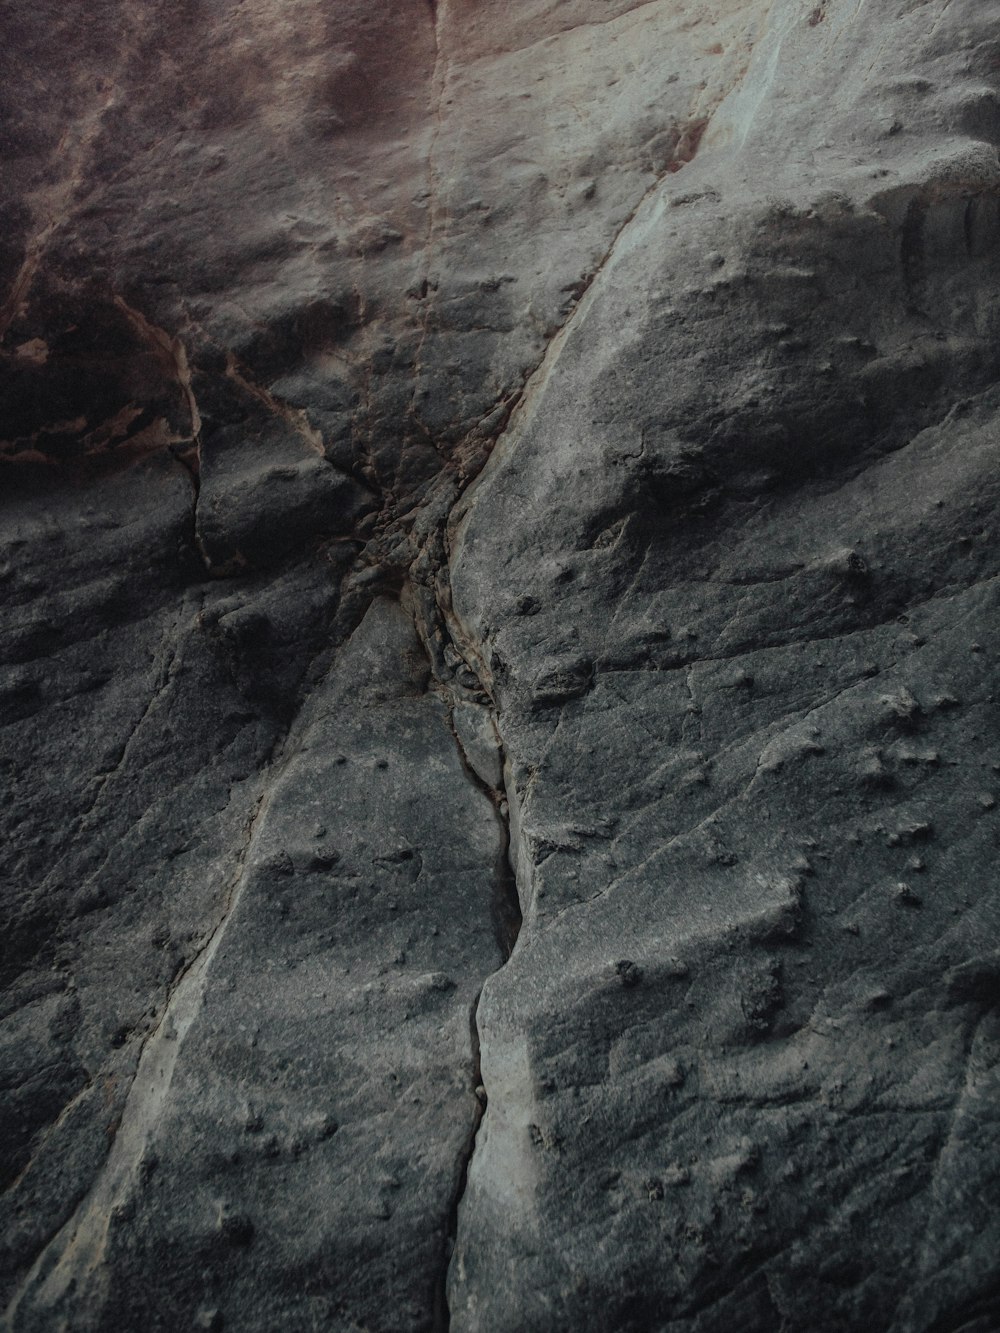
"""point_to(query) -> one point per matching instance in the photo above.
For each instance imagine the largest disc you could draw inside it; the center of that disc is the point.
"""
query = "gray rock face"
(499, 524)
(301, 1108)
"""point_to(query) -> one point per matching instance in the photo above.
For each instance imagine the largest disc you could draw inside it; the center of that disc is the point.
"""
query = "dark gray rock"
(500, 500)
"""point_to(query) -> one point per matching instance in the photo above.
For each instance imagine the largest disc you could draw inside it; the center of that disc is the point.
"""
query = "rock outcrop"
(498, 684)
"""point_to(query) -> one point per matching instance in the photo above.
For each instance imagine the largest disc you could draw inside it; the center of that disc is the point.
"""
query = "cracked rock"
(499, 589)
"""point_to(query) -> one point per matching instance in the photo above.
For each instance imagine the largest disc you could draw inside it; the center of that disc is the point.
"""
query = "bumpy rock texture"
(500, 590)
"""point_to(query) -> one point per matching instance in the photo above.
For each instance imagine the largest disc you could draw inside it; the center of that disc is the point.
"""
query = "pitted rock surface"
(498, 673)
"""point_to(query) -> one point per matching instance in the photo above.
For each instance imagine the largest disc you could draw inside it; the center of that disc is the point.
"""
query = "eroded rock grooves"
(425, 506)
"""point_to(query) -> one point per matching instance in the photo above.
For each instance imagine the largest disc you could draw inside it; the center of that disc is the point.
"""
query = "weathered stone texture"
(499, 569)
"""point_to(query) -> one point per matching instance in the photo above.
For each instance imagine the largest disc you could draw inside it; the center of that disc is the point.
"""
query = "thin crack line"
(172, 350)
(522, 405)
(165, 677)
(504, 901)
(685, 151)
(77, 1248)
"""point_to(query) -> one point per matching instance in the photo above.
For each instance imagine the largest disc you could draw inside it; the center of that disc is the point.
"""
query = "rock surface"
(500, 573)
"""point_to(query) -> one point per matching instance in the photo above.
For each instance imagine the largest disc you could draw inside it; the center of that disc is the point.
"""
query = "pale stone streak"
(537, 380)
(75, 1253)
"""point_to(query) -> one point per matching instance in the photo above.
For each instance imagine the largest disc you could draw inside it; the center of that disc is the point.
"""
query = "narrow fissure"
(505, 914)
(190, 465)
(428, 597)
(505, 910)
(170, 350)
(442, 1312)
(434, 624)
(505, 904)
